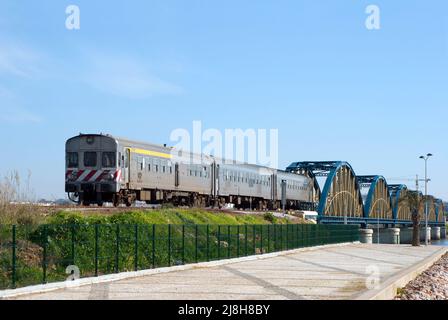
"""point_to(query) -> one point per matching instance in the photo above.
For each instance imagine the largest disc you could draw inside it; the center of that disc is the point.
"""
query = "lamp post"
(426, 158)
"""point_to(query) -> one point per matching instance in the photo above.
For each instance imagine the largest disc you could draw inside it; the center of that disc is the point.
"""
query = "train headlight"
(73, 176)
(110, 176)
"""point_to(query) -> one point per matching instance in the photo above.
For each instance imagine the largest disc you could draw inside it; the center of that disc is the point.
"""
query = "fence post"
(254, 239)
(281, 237)
(261, 239)
(96, 248)
(169, 245)
(275, 237)
(238, 241)
(208, 243)
(297, 236)
(153, 249)
(44, 258)
(219, 242)
(136, 247)
(196, 244)
(245, 237)
(117, 248)
(269, 235)
(287, 236)
(14, 264)
(183, 244)
(228, 241)
(73, 244)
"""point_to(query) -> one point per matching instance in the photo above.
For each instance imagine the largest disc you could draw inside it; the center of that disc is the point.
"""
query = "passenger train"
(103, 168)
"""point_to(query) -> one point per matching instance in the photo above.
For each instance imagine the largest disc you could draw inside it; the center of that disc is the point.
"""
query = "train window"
(90, 159)
(171, 170)
(108, 159)
(157, 168)
(163, 169)
(149, 167)
(72, 159)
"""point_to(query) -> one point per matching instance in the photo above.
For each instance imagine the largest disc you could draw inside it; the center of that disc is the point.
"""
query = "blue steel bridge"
(348, 198)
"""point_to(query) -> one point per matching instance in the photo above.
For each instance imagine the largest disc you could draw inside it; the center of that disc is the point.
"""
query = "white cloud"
(18, 116)
(124, 76)
(17, 61)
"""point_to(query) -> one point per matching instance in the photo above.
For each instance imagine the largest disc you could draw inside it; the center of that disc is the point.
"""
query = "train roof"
(126, 141)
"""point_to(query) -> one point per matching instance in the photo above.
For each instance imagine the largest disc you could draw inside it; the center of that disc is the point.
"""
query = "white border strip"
(41, 288)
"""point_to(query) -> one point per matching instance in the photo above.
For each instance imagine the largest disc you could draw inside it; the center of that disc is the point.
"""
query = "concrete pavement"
(328, 272)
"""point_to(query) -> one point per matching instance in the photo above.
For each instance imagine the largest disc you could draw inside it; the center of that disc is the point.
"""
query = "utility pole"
(426, 158)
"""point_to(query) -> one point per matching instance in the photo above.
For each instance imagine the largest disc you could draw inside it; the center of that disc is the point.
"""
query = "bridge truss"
(401, 209)
(341, 196)
(341, 200)
(377, 203)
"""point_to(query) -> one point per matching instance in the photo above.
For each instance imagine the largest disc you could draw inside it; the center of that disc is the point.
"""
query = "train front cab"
(93, 168)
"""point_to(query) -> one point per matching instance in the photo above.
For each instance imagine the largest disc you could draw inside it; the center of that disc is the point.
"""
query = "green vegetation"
(268, 216)
(101, 244)
(167, 216)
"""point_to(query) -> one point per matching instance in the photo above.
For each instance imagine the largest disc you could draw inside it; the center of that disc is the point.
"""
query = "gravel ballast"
(430, 285)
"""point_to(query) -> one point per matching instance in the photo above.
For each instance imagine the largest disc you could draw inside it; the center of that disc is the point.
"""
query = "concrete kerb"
(10, 293)
(388, 289)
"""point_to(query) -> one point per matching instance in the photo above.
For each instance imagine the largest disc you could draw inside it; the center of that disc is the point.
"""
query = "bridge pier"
(386, 235)
(406, 235)
(435, 233)
(422, 233)
(365, 236)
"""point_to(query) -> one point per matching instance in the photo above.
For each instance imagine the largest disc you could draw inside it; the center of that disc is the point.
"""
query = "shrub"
(269, 216)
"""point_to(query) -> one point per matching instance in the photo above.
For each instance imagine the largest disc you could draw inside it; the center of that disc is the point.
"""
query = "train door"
(274, 187)
(176, 175)
(215, 180)
(127, 166)
(283, 200)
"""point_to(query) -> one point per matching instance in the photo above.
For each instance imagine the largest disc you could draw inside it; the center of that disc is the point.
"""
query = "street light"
(426, 195)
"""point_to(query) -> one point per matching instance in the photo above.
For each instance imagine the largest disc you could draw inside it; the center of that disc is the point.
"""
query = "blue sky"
(139, 69)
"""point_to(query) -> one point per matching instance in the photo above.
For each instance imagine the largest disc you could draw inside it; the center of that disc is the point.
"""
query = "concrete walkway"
(333, 272)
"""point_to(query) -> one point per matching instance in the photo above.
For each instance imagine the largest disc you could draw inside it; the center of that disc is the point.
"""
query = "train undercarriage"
(182, 198)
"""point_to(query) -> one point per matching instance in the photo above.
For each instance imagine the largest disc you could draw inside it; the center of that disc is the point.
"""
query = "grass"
(168, 216)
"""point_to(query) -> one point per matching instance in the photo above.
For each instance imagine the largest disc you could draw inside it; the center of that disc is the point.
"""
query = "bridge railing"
(372, 221)
(31, 255)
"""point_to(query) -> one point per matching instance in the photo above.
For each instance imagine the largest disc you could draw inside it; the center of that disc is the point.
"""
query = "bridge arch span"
(341, 194)
(439, 210)
(400, 206)
(377, 203)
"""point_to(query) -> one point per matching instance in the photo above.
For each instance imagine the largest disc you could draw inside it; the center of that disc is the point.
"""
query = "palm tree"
(415, 201)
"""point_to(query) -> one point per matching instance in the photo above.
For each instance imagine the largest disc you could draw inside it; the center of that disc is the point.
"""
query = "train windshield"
(89, 159)
(108, 159)
(72, 159)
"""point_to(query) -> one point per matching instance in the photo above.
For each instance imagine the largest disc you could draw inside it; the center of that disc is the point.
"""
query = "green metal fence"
(40, 254)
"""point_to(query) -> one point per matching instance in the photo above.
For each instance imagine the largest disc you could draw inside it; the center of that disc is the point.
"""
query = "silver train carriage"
(102, 168)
